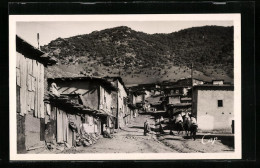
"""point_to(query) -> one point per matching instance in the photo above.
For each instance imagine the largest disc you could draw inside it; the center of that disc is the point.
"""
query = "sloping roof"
(31, 52)
(64, 102)
(103, 81)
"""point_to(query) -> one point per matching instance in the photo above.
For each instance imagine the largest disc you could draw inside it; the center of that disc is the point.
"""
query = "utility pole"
(191, 88)
(38, 39)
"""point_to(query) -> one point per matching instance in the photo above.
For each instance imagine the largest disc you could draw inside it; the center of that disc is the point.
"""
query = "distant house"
(30, 63)
(141, 102)
(155, 103)
(173, 99)
(189, 82)
(132, 104)
(140, 97)
(214, 107)
(183, 90)
(218, 82)
(173, 105)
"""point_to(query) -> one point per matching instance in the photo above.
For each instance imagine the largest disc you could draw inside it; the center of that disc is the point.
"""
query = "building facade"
(214, 107)
(30, 63)
(95, 93)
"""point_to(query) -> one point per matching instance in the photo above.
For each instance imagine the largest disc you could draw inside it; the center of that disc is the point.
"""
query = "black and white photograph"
(93, 87)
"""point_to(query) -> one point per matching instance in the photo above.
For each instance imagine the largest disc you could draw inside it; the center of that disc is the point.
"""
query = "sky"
(52, 30)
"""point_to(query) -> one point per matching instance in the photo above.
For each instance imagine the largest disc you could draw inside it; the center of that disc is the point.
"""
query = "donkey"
(186, 123)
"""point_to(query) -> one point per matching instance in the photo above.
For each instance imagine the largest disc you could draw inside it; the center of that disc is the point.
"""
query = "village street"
(130, 139)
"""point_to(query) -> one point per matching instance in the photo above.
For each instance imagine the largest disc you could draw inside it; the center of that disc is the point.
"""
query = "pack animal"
(179, 123)
(190, 125)
(186, 123)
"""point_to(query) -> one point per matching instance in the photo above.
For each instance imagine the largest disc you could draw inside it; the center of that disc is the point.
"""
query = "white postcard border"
(236, 18)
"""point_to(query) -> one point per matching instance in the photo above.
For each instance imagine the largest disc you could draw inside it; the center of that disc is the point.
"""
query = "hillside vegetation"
(144, 58)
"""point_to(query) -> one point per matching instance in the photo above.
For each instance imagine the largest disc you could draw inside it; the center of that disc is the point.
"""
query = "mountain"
(139, 57)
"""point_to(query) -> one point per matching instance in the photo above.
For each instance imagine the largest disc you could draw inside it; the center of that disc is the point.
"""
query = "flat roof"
(214, 87)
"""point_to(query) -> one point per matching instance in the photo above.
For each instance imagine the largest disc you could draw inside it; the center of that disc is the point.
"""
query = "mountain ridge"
(129, 53)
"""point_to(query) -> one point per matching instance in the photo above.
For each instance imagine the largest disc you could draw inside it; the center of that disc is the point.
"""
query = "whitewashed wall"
(212, 117)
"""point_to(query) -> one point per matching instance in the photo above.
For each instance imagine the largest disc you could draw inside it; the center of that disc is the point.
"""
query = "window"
(220, 103)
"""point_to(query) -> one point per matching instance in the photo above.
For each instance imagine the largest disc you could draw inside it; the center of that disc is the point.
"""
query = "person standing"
(161, 121)
(146, 127)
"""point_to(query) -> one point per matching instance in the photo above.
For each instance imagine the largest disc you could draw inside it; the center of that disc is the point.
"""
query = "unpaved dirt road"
(130, 140)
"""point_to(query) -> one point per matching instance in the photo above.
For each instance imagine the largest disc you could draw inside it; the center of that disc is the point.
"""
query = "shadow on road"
(176, 139)
(137, 127)
(127, 130)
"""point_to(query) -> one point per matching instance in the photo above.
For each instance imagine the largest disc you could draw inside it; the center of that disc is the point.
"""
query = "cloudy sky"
(51, 30)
